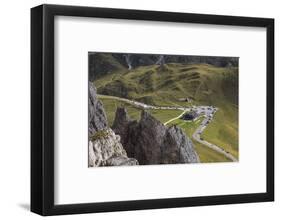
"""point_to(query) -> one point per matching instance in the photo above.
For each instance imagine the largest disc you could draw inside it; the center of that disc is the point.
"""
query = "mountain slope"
(168, 84)
(101, 63)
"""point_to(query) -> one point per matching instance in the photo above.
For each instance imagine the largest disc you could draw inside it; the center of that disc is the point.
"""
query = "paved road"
(196, 136)
(207, 111)
(142, 105)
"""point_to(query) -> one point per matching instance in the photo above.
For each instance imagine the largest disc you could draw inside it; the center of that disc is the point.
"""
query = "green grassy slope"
(110, 106)
(223, 130)
(188, 126)
(102, 64)
(208, 155)
(203, 83)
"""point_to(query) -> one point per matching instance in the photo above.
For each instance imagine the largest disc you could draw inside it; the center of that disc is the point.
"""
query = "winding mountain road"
(207, 111)
(142, 105)
(198, 132)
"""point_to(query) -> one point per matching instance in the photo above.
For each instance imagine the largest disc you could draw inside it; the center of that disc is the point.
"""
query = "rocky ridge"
(150, 142)
(97, 116)
(105, 148)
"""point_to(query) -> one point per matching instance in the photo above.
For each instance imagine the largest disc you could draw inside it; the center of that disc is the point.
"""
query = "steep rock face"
(105, 149)
(175, 136)
(121, 123)
(150, 142)
(97, 116)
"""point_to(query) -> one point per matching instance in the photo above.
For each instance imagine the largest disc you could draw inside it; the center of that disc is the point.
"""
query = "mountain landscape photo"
(147, 109)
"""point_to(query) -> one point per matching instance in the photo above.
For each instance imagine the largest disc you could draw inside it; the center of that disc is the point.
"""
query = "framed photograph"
(139, 109)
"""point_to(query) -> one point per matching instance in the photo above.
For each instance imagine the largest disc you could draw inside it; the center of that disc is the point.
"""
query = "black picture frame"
(42, 109)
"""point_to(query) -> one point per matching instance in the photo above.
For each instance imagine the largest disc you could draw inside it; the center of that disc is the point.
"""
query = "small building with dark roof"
(189, 116)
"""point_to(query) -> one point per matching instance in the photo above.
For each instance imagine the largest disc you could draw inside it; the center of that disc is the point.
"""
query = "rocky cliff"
(150, 142)
(97, 116)
(105, 148)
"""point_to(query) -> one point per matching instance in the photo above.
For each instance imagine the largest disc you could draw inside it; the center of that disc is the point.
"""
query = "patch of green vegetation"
(104, 64)
(202, 83)
(164, 115)
(223, 130)
(207, 155)
(99, 135)
(110, 106)
(189, 127)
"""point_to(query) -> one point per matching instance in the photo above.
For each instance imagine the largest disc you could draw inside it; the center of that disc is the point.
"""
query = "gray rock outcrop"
(105, 149)
(97, 116)
(150, 142)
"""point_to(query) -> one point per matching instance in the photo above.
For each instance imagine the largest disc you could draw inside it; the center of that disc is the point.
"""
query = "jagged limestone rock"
(105, 149)
(176, 137)
(150, 142)
(97, 116)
